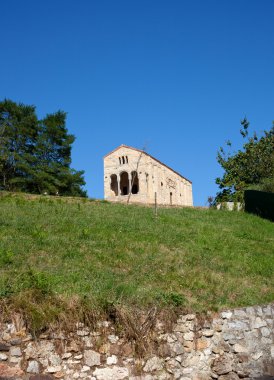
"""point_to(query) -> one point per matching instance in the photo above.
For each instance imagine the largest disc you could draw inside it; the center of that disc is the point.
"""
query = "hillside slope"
(107, 254)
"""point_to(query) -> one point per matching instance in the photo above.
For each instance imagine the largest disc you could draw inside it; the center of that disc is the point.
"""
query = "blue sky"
(175, 77)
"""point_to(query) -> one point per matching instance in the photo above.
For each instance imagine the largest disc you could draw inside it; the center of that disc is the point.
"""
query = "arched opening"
(170, 195)
(134, 183)
(127, 159)
(123, 158)
(114, 184)
(124, 185)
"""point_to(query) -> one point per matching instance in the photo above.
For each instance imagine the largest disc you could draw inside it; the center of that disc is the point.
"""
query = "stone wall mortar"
(234, 344)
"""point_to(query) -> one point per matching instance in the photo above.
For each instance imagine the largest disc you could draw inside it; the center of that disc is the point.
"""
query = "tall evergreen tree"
(18, 134)
(36, 154)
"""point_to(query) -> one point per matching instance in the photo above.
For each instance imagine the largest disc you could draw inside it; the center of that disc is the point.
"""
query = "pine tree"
(18, 133)
(36, 154)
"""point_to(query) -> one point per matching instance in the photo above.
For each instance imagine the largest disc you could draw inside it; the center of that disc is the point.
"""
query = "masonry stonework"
(232, 345)
(133, 176)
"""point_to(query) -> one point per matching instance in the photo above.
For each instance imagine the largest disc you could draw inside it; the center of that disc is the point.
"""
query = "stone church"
(134, 176)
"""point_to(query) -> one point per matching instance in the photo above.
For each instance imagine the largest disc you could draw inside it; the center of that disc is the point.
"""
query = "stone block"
(55, 359)
(201, 344)
(15, 351)
(177, 348)
(10, 372)
(190, 317)
(113, 339)
(250, 311)
(208, 333)
(66, 355)
(189, 336)
(265, 331)
(238, 348)
(54, 369)
(202, 376)
(240, 313)
(238, 325)
(257, 355)
(267, 311)
(222, 365)
(175, 369)
(92, 358)
(164, 350)
(117, 373)
(257, 323)
(33, 366)
(3, 357)
(153, 364)
(226, 314)
(4, 347)
(112, 360)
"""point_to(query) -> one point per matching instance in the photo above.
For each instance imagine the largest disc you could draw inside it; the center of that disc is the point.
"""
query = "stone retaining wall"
(234, 344)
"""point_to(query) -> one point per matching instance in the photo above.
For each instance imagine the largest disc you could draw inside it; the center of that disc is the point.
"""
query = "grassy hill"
(61, 254)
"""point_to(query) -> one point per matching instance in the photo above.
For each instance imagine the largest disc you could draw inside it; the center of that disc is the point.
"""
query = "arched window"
(170, 194)
(114, 184)
(120, 160)
(127, 159)
(123, 158)
(134, 183)
(124, 183)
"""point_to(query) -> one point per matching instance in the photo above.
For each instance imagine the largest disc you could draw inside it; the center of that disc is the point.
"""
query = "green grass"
(106, 254)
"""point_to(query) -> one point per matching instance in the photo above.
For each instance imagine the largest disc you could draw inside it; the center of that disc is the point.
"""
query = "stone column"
(129, 181)
(119, 184)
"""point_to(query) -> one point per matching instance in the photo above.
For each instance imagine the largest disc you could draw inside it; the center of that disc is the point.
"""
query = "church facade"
(133, 176)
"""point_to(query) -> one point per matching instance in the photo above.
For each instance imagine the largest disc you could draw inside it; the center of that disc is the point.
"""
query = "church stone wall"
(129, 171)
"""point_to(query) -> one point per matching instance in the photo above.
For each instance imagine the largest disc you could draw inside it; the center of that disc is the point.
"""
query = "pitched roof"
(149, 155)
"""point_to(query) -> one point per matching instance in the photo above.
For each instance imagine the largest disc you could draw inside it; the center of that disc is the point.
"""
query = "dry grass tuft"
(138, 327)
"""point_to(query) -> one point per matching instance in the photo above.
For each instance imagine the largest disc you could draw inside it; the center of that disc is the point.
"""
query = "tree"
(18, 133)
(53, 154)
(36, 154)
(251, 167)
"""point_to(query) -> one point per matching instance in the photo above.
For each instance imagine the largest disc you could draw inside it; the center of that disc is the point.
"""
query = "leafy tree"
(36, 154)
(251, 167)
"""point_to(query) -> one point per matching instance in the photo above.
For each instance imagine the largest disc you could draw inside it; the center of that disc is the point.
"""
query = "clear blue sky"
(174, 76)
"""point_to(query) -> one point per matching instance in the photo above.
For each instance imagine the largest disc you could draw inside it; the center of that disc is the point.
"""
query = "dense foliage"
(249, 168)
(35, 155)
